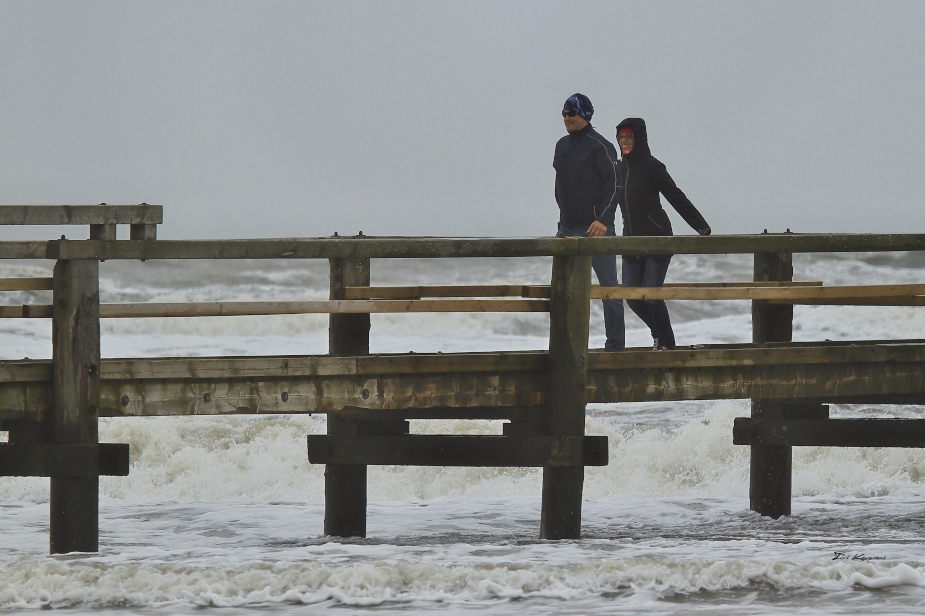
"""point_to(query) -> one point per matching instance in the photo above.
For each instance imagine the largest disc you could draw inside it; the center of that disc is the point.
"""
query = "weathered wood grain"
(318, 394)
(216, 309)
(25, 284)
(73, 461)
(760, 292)
(74, 501)
(31, 249)
(440, 450)
(529, 291)
(770, 467)
(81, 214)
(345, 485)
(835, 371)
(423, 247)
(570, 291)
(829, 432)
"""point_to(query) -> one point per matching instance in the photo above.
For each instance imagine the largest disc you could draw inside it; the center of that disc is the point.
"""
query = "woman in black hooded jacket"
(644, 177)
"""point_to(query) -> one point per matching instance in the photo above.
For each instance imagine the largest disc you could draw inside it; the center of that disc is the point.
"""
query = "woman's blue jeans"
(650, 272)
(605, 266)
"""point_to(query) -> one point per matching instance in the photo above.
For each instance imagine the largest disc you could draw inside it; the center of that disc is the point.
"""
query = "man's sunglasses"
(568, 113)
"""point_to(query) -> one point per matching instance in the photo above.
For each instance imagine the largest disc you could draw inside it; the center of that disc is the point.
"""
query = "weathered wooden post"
(76, 357)
(105, 232)
(348, 334)
(569, 315)
(770, 468)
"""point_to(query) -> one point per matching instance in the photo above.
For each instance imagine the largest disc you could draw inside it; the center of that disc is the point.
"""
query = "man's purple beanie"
(580, 104)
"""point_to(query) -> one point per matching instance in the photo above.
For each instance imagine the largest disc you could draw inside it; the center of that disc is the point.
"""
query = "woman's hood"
(641, 138)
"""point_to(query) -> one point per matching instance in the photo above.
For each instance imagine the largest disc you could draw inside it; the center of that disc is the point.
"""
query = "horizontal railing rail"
(25, 284)
(532, 291)
(425, 247)
(102, 214)
(870, 295)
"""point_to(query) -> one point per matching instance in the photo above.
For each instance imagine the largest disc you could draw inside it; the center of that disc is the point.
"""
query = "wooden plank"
(27, 311)
(759, 293)
(321, 365)
(373, 247)
(732, 285)
(215, 309)
(883, 295)
(203, 368)
(820, 381)
(440, 450)
(531, 291)
(25, 284)
(314, 248)
(237, 309)
(73, 461)
(829, 432)
(81, 214)
(74, 502)
(310, 366)
(19, 400)
(23, 249)
(886, 372)
(418, 292)
(322, 394)
(908, 300)
(430, 363)
(858, 351)
(25, 371)
(510, 413)
(746, 244)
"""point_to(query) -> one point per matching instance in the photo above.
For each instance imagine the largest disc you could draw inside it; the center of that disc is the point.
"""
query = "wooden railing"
(50, 408)
(380, 300)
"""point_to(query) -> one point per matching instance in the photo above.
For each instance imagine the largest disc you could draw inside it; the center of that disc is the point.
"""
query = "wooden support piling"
(348, 334)
(770, 466)
(569, 315)
(75, 359)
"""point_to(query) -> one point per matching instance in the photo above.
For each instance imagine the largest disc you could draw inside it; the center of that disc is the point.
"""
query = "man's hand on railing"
(596, 229)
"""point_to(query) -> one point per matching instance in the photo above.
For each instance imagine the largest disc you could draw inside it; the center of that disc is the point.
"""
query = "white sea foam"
(204, 459)
(31, 582)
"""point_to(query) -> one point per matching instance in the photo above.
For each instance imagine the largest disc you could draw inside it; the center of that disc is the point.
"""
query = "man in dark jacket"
(587, 191)
(644, 177)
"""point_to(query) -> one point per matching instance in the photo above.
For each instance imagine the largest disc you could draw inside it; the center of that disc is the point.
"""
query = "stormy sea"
(226, 513)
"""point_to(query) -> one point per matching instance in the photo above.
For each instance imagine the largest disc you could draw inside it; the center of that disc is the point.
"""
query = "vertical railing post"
(348, 334)
(76, 356)
(569, 314)
(103, 232)
(770, 467)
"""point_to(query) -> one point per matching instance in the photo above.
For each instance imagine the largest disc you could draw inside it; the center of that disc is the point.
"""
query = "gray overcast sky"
(439, 118)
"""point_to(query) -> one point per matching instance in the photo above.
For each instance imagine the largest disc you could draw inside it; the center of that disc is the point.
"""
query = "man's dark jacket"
(587, 183)
(643, 178)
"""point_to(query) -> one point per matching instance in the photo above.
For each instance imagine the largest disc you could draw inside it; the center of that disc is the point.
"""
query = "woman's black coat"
(644, 177)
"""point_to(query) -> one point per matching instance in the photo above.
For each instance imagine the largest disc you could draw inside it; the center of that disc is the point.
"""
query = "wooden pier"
(51, 408)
